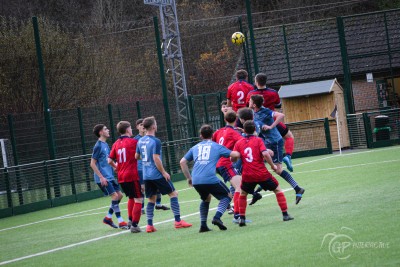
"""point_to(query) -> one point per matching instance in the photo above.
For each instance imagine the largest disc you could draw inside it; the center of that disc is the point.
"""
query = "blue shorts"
(277, 148)
(219, 190)
(227, 173)
(152, 187)
(111, 188)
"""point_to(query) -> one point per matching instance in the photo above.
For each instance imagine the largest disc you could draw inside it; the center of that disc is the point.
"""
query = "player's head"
(101, 130)
(139, 126)
(206, 131)
(249, 127)
(261, 80)
(224, 107)
(245, 114)
(241, 75)
(256, 101)
(230, 116)
(150, 123)
(124, 128)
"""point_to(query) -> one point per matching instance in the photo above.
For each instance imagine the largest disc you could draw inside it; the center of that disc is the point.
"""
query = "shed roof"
(303, 89)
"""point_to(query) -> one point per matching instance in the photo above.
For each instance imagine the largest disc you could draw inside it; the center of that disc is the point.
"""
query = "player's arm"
(137, 156)
(228, 103)
(160, 167)
(235, 155)
(103, 181)
(278, 117)
(185, 170)
(112, 163)
(268, 159)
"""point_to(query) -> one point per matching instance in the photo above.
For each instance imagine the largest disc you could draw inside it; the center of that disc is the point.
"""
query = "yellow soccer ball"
(238, 38)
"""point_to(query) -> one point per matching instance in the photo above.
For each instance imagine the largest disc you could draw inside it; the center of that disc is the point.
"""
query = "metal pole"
(83, 144)
(253, 44)
(47, 117)
(139, 113)
(112, 126)
(163, 82)
(287, 53)
(245, 51)
(348, 94)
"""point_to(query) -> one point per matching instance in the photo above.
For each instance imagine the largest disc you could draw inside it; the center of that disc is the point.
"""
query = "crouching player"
(252, 151)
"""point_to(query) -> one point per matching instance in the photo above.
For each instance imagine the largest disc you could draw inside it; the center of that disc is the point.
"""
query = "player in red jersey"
(123, 152)
(252, 151)
(228, 136)
(272, 101)
(237, 91)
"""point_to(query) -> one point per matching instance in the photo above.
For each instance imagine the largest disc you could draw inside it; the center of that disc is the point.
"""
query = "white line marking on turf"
(107, 236)
(350, 166)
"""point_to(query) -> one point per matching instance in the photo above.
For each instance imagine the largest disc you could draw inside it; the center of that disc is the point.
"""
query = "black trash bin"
(382, 128)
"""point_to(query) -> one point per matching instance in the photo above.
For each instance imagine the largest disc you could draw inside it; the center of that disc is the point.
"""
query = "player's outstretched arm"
(235, 155)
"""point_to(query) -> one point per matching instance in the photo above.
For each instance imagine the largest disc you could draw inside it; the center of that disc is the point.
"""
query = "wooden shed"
(316, 100)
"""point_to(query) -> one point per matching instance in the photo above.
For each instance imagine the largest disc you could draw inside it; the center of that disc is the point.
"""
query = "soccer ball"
(238, 38)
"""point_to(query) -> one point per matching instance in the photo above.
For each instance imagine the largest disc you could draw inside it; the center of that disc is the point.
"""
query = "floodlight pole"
(173, 53)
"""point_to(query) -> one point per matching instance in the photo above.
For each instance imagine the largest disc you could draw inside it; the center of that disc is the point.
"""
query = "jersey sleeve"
(96, 152)
(157, 147)
(138, 148)
(224, 152)
(189, 155)
(229, 92)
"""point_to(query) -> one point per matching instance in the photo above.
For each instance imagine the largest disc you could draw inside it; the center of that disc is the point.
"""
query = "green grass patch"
(352, 200)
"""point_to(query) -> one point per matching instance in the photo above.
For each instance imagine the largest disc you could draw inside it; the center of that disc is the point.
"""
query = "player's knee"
(173, 194)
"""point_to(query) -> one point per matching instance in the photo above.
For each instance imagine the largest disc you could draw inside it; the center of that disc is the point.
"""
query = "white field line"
(107, 236)
(347, 154)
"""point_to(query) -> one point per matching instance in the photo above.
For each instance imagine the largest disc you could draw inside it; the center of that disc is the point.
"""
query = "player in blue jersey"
(141, 133)
(104, 175)
(155, 177)
(205, 155)
(273, 139)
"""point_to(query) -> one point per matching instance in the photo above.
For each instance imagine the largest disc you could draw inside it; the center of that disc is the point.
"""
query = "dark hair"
(122, 126)
(261, 79)
(249, 127)
(245, 114)
(148, 122)
(139, 121)
(97, 129)
(258, 100)
(206, 131)
(230, 116)
(224, 102)
(241, 74)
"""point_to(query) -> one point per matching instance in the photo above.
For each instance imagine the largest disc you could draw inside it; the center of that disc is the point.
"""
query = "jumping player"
(273, 140)
(272, 101)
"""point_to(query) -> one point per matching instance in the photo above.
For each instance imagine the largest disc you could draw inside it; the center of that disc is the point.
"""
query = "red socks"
(289, 146)
(136, 212)
(236, 202)
(242, 205)
(281, 199)
(131, 202)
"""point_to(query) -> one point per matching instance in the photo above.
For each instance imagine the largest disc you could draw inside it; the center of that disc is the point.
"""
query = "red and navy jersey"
(226, 136)
(253, 167)
(237, 93)
(123, 152)
(271, 97)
